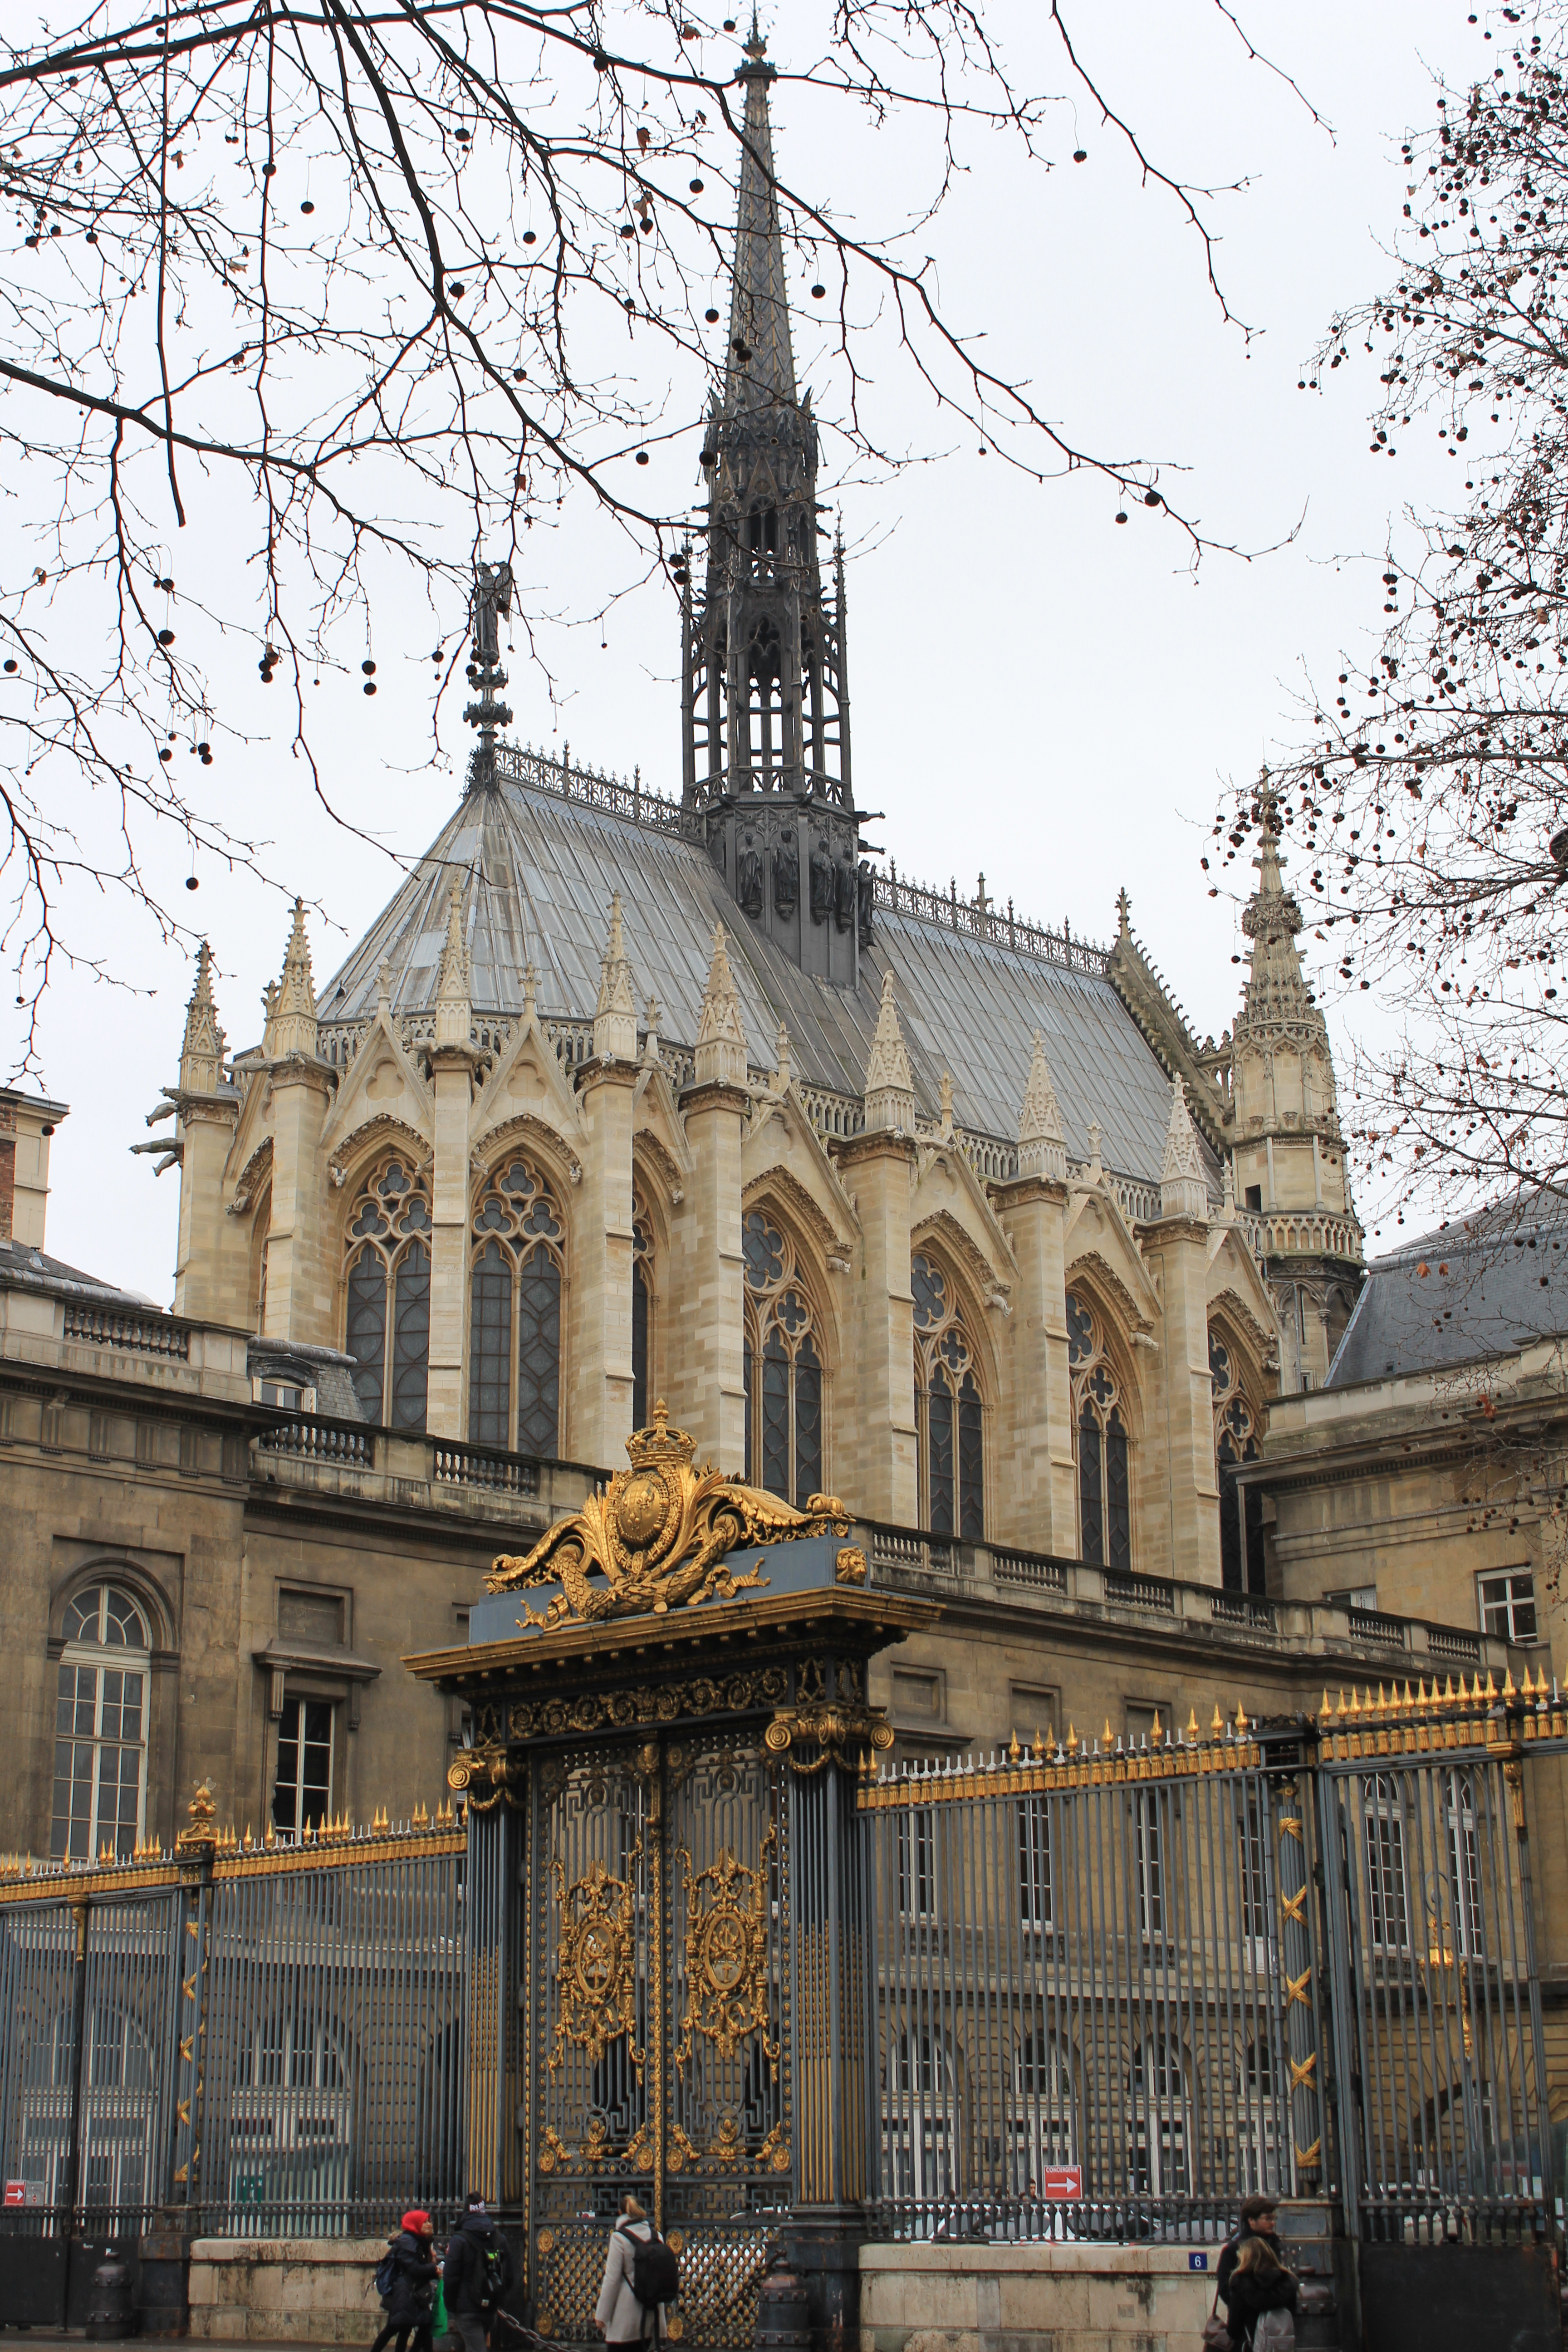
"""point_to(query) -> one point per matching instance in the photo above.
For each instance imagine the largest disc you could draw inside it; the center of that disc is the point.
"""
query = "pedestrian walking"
(621, 2312)
(1259, 2219)
(409, 2271)
(1261, 2303)
(478, 2274)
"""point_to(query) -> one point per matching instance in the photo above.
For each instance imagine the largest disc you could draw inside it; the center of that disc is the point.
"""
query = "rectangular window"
(1035, 1900)
(1508, 1605)
(1252, 1829)
(1465, 1896)
(99, 1762)
(1151, 1869)
(917, 1863)
(302, 1796)
(1388, 1914)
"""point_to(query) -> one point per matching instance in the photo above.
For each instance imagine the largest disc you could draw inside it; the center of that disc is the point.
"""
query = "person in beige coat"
(618, 2312)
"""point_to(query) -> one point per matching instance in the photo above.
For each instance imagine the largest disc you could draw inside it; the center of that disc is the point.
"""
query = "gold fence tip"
(1462, 1693)
(1039, 1742)
(1508, 1689)
(1342, 1708)
(1158, 1735)
(1217, 1728)
(1013, 1749)
(1072, 1740)
(1491, 1687)
(1420, 1690)
(1355, 1707)
(420, 1819)
(1107, 1735)
(1192, 1725)
(1240, 1721)
(269, 1834)
(1382, 1702)
(1326, 1708)
(1409, 1702)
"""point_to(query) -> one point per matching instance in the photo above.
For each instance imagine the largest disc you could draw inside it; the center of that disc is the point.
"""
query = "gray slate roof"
(22, 1267)
(1483, 1285)
(538, 872)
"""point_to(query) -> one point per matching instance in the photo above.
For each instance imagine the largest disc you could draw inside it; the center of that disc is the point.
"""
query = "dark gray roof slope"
(22, 1267)
(1483, 1285)
(538, 872)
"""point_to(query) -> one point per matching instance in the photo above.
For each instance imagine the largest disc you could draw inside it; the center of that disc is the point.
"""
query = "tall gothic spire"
(1183, 1190)
(765, 778)
(291, 1016)
(1041, 1149)
(616, 1013)
(1276, 991)
(200, 1055)
(454, 1010)
(759, 370)
(889, 1082)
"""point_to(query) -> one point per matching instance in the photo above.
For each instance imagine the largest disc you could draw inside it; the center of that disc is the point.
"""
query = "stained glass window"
(100, 1726)
(386, 1313)
(948, 1413)
(781, 1367)
(514, 1314)
(1104, 1463)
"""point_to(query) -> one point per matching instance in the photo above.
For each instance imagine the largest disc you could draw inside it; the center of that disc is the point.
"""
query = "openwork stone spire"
(721, 1056)
(759, 365)
(200, 1055)
(453, 1008)
(1184, 1190)
(889, 1082)
(291, 1020)
(616, 1013)
(1042, 1150)
(1276, 994)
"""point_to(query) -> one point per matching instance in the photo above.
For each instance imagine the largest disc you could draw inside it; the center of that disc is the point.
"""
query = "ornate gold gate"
(655, 2044)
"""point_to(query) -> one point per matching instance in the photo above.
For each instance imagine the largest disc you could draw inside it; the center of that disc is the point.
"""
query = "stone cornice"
(712, 1094)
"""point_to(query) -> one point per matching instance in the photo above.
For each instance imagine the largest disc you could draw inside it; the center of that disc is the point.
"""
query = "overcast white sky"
(1036, 692)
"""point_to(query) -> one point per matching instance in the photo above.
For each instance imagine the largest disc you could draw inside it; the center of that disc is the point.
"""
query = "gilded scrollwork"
(658, 1538)
(726, 1961)
(593, 1972)
(840, 1735)
(482, 1774)
(634, 1710)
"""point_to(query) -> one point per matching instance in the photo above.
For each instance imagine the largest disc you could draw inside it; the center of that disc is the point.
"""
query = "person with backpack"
(478, 2274)
(1261, 2303)
(406, 2281)
(641, 2277)
(1259, 2219)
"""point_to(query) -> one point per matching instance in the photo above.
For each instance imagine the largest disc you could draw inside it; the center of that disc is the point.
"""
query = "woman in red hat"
(407, 2275)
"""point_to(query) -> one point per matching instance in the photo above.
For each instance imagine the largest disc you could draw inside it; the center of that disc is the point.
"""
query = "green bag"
(438, 2321)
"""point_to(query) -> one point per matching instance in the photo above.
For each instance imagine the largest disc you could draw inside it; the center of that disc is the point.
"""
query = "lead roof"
(538, 872)
(1481, 1287)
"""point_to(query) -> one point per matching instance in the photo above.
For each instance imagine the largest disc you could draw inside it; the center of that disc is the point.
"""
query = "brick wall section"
(7, 1169)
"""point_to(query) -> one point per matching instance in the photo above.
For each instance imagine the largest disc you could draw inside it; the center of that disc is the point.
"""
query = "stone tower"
(1286, 1147)
(765, 711)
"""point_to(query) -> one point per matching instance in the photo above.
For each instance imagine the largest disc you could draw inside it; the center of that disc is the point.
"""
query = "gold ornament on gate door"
(727, 1954)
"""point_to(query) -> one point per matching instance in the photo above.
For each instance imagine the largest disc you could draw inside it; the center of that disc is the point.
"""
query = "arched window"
(100, 1726)
(387, 1314)
(950, 1438)
(1042, 2112)
(642, 1314)
(1104, 1473)
(781, 1367)
(1160, 2121)
(514, 1330)
(1236, 1442)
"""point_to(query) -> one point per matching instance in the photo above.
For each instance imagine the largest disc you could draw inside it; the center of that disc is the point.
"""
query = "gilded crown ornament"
(658, 1538)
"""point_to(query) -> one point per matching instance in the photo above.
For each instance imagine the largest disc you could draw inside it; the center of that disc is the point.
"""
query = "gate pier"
(671, 1976)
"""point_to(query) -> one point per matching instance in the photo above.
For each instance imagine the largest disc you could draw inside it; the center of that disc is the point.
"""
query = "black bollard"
(111, 2314)
(784, 2311)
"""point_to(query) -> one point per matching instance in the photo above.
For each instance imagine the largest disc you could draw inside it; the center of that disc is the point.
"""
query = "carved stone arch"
(386, 1132)
(807, 1212)
(1093, 1267)
(963, 1254)
(110, 1567)
(256, 1262)
(664, 1177)
(257, 1172)
(1253, 1342)
(532, 1136)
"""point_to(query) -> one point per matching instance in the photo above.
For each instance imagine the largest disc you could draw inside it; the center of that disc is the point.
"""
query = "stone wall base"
(285, 2290)
(1036, 2297)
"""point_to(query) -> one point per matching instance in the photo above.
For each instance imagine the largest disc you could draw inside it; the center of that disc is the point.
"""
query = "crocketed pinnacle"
(454, 1010)
(292, 1013)
(1275, 993)
(1183, 1189)
(760, 368)
(616, 1013)
(201, 1055)
(1042, 1150)
(721, 1056)
(889, 1082)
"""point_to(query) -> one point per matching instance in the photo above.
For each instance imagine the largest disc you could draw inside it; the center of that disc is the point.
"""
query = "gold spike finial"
(1508, 1689)
(1157, 1734)
(1240, 1721)
(1217, 1728)
(1192, 1724)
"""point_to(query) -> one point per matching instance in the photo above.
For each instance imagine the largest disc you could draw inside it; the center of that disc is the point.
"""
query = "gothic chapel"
(885, 1192)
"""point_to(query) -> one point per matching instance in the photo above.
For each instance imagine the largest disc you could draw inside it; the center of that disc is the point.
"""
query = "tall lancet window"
(514, 1325)
(1104, 1466)
(782, 1367)
(1236, 1425)
(949, 1425)
(387, 1295)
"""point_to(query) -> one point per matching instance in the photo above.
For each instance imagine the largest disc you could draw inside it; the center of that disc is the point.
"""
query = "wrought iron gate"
(657, 2054)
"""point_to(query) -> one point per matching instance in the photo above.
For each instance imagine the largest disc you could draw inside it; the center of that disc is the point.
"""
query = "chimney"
(26, 1123)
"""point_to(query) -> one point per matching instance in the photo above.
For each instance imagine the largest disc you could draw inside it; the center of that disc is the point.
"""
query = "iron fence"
(1079, 1991)
(268, 2036)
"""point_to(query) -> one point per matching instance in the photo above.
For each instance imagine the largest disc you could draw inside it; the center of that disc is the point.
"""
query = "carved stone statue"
(786, 873)
(749, 874)
(863, 891)
(845, 891)
(821, 881)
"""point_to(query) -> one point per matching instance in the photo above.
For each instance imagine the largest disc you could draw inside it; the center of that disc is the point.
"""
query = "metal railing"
(305, 2079)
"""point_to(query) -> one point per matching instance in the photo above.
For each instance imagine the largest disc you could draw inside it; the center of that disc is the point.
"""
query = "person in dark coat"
(1259, 2282)
(1258, 2218)
(478, 2274)
(413, 2298)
